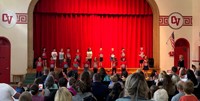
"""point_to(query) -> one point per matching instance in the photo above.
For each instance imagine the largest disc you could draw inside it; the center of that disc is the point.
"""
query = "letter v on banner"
(8, 18)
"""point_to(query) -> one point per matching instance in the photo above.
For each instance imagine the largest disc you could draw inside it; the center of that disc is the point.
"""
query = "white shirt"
(7, 92)
(89, 54)
(54, 55)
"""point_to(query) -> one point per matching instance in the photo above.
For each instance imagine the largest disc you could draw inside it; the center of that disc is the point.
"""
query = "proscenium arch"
(156, 35)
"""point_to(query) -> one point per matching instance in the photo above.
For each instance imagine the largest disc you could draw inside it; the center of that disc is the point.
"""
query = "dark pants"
(114, 70)
(38, 74)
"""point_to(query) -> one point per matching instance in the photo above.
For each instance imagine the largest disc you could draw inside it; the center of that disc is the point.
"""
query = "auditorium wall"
(18, 37)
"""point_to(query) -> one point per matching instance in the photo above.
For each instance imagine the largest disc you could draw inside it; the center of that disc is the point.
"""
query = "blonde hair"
(63, 94)
(136, 86)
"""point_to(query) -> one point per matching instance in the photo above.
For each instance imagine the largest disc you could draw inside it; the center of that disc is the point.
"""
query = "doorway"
(182, 47)
(4, 60)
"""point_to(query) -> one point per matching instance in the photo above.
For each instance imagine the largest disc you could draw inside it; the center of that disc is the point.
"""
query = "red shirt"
(65, 65)
(101, 54)
(123, 63)
(188, 98)
(39, 66)
(44, 55)
(51, 63)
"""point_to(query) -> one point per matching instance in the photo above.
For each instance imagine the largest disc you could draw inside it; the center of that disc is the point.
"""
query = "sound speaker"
(151, 62)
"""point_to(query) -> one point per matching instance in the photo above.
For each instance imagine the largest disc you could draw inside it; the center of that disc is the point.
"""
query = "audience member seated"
(182, 74)
(44, 76)
(153, 89)
(82, 92)
(175, 78)
(169, 86)
(25, 96)
(72, 74)
(20, 89)
(86, 78)
(7, 92)
(191, 76)
(71, 87)
(197, 74)
(99, 90)
(188, 88)
(50, 85)
(35, 93)
(179, 87)
(136, 88)
(63, 94)
(114, 79)
(160, 95)
(115, 92)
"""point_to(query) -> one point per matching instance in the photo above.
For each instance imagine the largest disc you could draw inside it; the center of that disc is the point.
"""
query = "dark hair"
(49, 81)
(73, 74)
(197, 73)
(34, 89)
(95, 70)
(116, 90)
(85, 77)
(62, 82)
(191, 76)
(97, 77)
(38, 81)
(174, 69)
(124, 73)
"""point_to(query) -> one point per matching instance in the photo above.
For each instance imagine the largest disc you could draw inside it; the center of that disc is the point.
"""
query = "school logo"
(175, 20)
(8, 18)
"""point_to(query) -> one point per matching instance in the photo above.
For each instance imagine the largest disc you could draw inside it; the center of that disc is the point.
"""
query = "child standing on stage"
(123, 55)
(65, 66)
(123, 65)
(44, 57)
(146, 65)
(100, 57)
(61, 57)
(78, 56)
(112, 57)
(89, 56)
(114, 66)
(95, 64)
(86, 64)
(68, 57)
(51, 64)
(75, 65)
(54, 55)
(39, 67)
(141, 57)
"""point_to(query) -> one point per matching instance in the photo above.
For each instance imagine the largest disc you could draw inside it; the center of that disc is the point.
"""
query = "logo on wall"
(8, 18)
(175, 20)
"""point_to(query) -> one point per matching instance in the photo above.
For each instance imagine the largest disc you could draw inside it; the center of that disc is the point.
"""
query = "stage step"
(29, 78)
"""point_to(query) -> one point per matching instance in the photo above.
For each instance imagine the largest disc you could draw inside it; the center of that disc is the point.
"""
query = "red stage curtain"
(94, 23)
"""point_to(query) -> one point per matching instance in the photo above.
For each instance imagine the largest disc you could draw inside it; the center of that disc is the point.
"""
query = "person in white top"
(54, 55)
(89, 56)
(7, 93)
(61, 57)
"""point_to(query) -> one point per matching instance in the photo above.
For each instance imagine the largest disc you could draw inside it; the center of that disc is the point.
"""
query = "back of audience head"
(34, 89)
(72, 74)
(49, 81)
(174, 69)
(38, 81)
(25, 96)
(72, 81)
(153, 88)
(96, 77)
(46, 71)
(85, 77)
(63, 94)
(188, 87)
(179, 86)
(81, 86)
(191, 76)
(62, 82)
(161, 95)
(136, 86)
